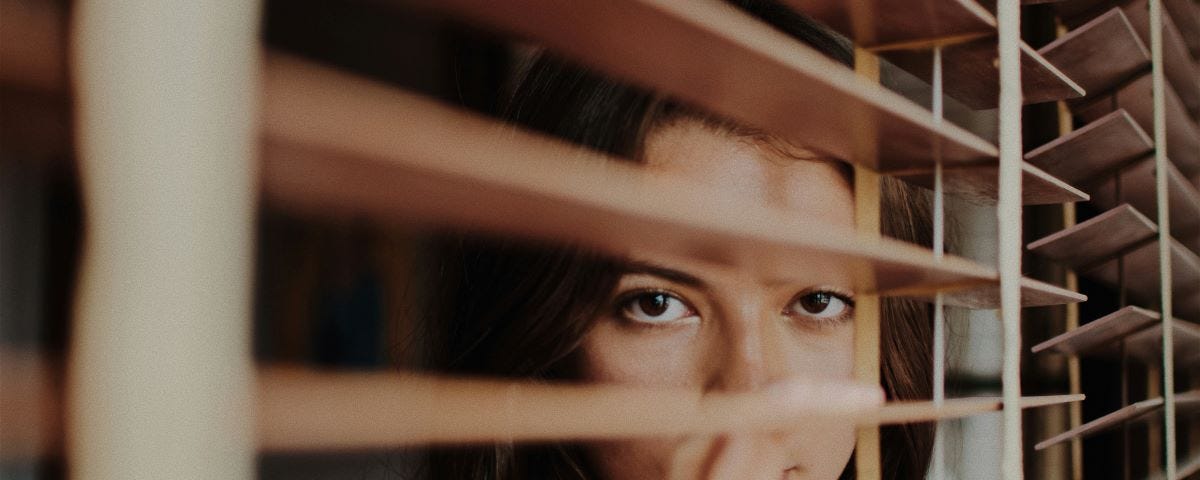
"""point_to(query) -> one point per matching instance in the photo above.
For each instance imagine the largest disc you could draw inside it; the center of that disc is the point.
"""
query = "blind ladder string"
(939, 234)
(1164, 235)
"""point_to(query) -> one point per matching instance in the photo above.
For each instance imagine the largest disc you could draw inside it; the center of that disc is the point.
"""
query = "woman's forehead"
(756, 273)
(729, 164)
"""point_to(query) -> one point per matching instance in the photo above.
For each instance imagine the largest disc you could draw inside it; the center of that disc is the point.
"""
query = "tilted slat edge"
(1101, 53)
(1098, 238)
(1093, 150)
(1138, 411)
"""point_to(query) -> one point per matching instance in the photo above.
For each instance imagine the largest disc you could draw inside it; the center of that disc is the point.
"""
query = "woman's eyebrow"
(664, 272)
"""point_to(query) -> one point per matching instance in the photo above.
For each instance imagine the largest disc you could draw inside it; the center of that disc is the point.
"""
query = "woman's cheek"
(655, 356)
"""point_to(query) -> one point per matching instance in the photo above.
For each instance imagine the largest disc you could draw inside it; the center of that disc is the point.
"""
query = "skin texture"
(732, 329)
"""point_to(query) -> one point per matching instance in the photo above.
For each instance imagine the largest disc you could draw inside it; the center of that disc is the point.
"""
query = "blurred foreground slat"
(703, 51)
(341, 145)
(304, 410)
(332, 411)
(30, 405)
(33, 45)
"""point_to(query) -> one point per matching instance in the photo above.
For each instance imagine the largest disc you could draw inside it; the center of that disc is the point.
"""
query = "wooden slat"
(309, 411)
(1147, 344)
(35, 119)
(1141, 331)
(305, 410)
(973, 79)
(902, 31)
(978, 184)
(1138, 189)
(888, 22)
(1098, 147)
(1179, 67)
(531, 187)
(923, 411)
(1183, 136)
(1101, 333)
(1180, 72)
(1099, 54)
(1142, 279)
(1101, 237)
(702, 51)
(1185, 14)
(33, 45)
(711, 48)
(1134, 411)
(1138, 411)
(1041, 295)
(341, 144)
(1034, 293)
(30, 405)
(1187, 470)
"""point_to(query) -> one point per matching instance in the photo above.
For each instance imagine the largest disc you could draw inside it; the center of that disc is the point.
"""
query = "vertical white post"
(1164, 235)
(1009, 214)
(939, 247)
(160, 376)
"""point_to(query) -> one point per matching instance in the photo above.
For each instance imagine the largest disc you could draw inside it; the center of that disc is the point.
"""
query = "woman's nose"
(749, 353)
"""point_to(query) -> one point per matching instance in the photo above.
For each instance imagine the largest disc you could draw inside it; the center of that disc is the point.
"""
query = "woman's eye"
(655, 307)
(821, 305)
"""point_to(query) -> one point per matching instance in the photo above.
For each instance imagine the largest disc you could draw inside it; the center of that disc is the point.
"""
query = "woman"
(520, 311)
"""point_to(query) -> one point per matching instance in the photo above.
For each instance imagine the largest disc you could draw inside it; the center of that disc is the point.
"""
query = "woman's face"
(725, 329)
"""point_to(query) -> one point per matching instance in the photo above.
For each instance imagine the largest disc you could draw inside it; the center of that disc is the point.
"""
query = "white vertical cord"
(1164, 235)
(939, 217)
(1009, 219)
(939, 241)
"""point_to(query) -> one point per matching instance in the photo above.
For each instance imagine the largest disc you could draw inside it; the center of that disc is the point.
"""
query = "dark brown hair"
(511, 309)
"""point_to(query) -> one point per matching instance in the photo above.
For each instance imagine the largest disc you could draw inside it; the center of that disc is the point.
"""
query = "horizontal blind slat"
(972, 76)
(312, 410)
(704, 52)
(1183, 135)
(1099, 54)
(1099, 238)
(1093, 150)
(888, 22)
(1139, 328)
(353, 145)
(1142, 275)
(1135, 412)
(1138, 190)
(977, 184)
(902, 33)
